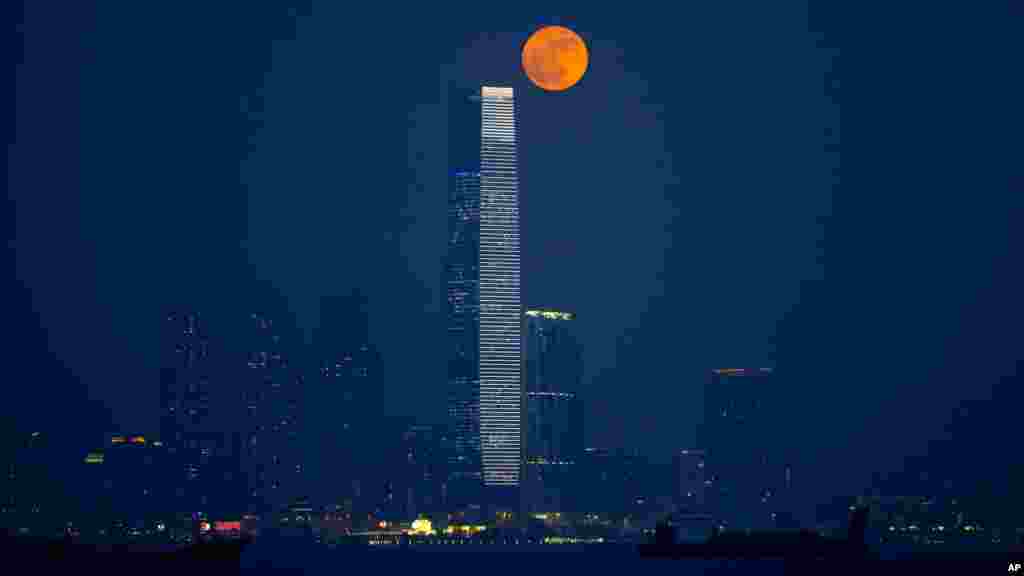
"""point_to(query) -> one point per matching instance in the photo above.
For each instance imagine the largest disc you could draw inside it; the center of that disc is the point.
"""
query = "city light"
(422, 526)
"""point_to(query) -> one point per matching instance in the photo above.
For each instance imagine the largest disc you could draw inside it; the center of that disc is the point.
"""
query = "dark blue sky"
(685, 199)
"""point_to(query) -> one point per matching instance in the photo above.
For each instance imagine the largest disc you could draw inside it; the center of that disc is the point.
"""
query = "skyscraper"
(744, 460)
(272, 449)
(483, 289)
(554, 428)
(689, 470)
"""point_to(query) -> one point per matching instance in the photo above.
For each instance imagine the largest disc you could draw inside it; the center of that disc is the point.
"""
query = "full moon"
(555, 58)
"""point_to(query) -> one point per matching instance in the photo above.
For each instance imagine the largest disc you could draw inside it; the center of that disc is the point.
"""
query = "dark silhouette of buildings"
(349, 366)
(553, 415)
(272, 395)
(423, 471)
(133, 480)
(745, 458)
(482, 284)
(34, 495)
(798, 546)
(689, 468)
(196, 384)
(611, 482)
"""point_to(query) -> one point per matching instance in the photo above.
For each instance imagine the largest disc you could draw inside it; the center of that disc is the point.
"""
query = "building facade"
(553, 415)
(133, 480)
(745, 461)
(422, 478)
(482, 283)
(194, 393)
(689, 467)
(349, 370)
(34, 492)
(272, 454)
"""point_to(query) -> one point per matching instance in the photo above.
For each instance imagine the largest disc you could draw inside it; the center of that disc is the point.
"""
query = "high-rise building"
(554, 427)
(349, 367)
(692, 521)
(134, 478)
(421, 445)
(272, 452)
(343, 345)
(195, 438)
(611, 481)
(744, 459)
(482, 277)
(33, 486)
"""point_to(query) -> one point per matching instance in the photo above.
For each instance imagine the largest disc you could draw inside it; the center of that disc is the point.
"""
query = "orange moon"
(555, 58)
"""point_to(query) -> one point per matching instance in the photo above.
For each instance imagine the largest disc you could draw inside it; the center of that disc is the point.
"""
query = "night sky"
(730, 184)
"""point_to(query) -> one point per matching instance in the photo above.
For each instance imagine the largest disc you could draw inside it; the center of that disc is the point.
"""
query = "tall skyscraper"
(554, 427)
(349, 370)
(744, 458)
(483, 289)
